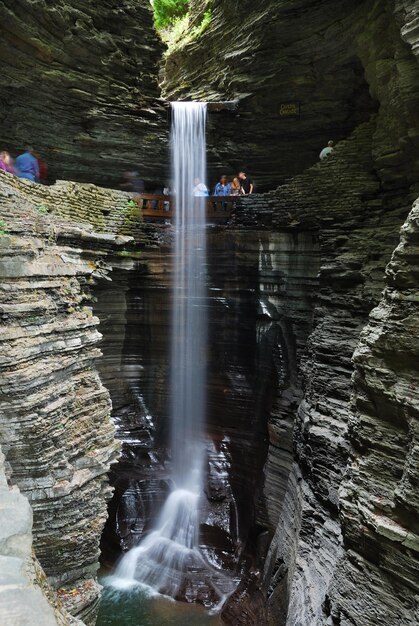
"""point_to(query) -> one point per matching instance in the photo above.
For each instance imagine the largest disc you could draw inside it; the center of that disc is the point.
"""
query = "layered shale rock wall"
(378, 496)
(338, 61)
(55, 432)
(357, 217)
(79, 82)
(352, 69)
(24, 596)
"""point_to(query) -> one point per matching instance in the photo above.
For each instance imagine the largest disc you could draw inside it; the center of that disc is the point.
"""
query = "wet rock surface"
(252, 343)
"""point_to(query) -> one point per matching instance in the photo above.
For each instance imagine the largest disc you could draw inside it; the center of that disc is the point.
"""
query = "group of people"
(240, 185)
(27, 165)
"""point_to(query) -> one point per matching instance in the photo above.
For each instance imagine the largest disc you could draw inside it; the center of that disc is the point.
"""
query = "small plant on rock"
(42, 208)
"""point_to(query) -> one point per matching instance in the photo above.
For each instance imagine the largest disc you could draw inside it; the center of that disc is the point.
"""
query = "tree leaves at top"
(167, 11)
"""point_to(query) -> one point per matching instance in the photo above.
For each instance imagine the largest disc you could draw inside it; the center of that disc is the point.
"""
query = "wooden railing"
(162, 208)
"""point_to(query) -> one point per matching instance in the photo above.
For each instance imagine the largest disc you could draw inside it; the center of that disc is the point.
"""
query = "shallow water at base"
(135, 608)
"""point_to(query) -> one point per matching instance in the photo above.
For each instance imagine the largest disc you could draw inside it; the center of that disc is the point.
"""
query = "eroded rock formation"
(322, 509)
(350, 281)
(22, 589)
(79, 82)
(339, 61)
(378, 496)
(56, 431)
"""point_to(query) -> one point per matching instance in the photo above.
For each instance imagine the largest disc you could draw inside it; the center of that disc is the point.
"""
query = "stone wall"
(340, 60)
(357, 218)
(24, 597)
(79, 82)
(55, 431)
(378, 496)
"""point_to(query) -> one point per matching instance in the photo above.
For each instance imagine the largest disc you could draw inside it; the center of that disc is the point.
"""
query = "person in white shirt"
(200, 189)
(326, 151)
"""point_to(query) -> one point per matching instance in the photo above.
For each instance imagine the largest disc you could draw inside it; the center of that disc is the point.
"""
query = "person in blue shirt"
(223, 187)
(27, 165)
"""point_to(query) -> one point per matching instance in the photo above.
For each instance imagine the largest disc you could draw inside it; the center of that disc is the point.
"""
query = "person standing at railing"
(327, 151)
(6, 162)
(235, 187)
(246, 183)
(222, 188)
(200, 188)
(166, 192)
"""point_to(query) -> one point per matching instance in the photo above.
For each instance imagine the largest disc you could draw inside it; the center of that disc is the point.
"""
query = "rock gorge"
(313, 370)
(79, 81)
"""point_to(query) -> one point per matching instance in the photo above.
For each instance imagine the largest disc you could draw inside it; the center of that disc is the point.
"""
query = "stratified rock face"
(78, 82)
(21, 601)
(379, 496)
(55, 429)
(260, 299)
(358, 222)
(408, 15)
(338, 60)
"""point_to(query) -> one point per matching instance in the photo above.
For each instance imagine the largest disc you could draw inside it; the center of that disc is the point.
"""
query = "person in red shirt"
(43, 169)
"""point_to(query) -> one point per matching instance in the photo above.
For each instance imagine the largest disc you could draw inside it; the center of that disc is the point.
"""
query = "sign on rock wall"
(289, 109)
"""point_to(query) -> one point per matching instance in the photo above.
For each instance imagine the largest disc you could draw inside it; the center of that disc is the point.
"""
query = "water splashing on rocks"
(168, 559)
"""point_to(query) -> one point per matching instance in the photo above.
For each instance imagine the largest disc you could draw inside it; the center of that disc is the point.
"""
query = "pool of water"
(136, 608)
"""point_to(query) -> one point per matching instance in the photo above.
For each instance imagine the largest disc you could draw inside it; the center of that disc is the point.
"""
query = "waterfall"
(189, 324)
(168, 559)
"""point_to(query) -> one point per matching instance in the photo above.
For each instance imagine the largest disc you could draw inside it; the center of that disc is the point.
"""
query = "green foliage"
(132, 254)
(42, 208)
(3, 228)
(166, 12)
(206, 21)
(183, 31)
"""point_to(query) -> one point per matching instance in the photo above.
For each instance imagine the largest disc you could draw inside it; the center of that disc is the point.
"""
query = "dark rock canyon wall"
(260, 302)
(379, 496)
(354, 251)
(79, 82)
(339, 60)
(357, 202)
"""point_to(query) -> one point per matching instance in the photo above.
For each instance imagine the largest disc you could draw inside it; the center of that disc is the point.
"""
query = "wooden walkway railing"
(162, 208)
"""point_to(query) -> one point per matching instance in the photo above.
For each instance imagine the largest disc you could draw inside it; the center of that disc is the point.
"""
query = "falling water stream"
(168, 561)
